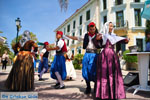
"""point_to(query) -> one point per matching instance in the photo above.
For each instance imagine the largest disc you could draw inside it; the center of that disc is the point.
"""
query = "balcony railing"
(121, 24)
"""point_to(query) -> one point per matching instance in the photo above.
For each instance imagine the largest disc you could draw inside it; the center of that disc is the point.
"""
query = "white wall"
(128, 7)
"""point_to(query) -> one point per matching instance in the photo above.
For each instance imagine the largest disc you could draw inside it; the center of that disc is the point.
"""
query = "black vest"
(58, 52)
(86, 41)
(46, 54)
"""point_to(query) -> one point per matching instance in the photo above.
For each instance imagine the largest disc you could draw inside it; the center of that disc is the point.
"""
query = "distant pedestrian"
(148, 44)
(148, 40)
(4, 60)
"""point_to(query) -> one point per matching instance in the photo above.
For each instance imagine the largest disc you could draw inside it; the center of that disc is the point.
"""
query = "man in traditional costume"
(90, 57)
(43, 66)
(58, 67)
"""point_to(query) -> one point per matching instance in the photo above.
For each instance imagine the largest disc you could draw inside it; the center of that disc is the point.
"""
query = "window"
(64, 30)
(139, 43)
(136, 0)
(80, 20)
(73, 34)
(72, 52)
(120, 46)
(87, 27)
(88, 15)
(105, 19)
(119, 19)
(137, 17)
(67, 42)
(104, 4)
(119, 2)
(79, 50)
(68, 28)
(81, 32)
(74, 24)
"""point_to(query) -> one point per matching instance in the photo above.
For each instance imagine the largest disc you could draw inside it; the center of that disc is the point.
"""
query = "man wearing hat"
(90, 57)
(58, 67)
(43, 66)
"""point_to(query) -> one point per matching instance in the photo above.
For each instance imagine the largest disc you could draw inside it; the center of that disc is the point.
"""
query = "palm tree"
(63, 4)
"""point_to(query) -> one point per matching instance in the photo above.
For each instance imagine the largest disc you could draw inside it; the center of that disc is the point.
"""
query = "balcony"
(137, 4)
(121, 24)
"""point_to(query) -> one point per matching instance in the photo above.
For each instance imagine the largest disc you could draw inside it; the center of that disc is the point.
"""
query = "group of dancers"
(103, 68)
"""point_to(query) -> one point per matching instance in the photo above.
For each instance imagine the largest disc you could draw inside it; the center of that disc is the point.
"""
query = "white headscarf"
(69, 53)
(111, 37)
(25, 37)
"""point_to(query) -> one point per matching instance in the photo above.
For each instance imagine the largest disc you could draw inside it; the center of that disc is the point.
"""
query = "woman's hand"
(98, 37)
(127, 40)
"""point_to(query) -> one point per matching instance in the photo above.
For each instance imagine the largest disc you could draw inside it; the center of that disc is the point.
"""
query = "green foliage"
(77, 62)
(148, 24)
(129, 58)
(147, 30)
(13, 42)
(3, 48)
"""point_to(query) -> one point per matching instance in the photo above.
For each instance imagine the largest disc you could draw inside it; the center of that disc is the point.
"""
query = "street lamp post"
(18, 24)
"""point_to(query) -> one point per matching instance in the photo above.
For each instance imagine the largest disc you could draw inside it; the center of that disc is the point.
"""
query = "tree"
(4, 47)
(1, 32)
(33, 37)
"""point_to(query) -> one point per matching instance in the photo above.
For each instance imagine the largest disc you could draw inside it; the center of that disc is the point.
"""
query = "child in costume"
(109, 77)
(58, 67)
(43, 66)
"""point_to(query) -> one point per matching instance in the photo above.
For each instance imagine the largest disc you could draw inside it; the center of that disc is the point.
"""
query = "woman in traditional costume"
(71, 73)
(109, 76)
(21, 77)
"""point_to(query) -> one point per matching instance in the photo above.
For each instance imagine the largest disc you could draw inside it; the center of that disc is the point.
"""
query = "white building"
(125, 14)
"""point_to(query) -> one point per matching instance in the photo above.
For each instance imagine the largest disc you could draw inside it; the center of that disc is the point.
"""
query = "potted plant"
(77, 62)
(131, 61)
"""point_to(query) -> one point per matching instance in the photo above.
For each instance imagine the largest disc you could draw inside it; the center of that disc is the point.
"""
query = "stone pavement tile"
(74, 89)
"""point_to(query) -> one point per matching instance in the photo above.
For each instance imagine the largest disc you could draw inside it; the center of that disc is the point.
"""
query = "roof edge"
(75, 13)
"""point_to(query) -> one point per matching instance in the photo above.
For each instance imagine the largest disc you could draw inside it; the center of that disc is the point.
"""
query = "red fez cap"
(60, 32)
(92, 24)
(46, 43)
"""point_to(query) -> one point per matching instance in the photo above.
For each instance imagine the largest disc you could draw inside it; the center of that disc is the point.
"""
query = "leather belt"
(91, 51)
(60, 54)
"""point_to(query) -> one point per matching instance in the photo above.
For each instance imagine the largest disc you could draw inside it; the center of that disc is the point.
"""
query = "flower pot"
(131, 66)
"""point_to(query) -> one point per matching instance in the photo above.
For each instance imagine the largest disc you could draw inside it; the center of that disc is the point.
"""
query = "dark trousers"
(89, 86)
(4, 63)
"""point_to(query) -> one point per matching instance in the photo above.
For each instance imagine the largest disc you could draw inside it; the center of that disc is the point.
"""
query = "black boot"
(95, 87)
(88, 89)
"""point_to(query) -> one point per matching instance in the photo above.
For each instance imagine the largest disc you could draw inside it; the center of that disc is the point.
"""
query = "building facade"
(125, 14)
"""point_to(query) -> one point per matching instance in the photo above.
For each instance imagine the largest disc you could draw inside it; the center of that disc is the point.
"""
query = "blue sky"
(41, 17)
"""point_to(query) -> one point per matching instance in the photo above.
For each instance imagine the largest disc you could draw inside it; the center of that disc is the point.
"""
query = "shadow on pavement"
(53, 96)
(145, 94)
